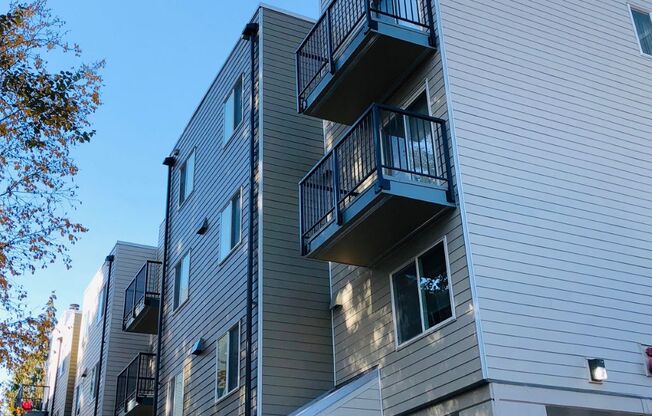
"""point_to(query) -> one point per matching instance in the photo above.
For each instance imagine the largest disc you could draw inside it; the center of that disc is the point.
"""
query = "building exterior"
(487, 221)
(243, 319)
(100, 364)
(61, 367)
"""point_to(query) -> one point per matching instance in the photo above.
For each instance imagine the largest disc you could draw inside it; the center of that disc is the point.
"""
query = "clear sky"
(161, 56)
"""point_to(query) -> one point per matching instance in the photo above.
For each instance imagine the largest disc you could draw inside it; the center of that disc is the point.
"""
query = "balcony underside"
(145, 317)
(377, 221)
(368, 68)
(140, 407)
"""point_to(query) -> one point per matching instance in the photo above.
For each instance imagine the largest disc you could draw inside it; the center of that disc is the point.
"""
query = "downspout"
(169, 162)
(56, 376)
(109, 259)
(250, 33)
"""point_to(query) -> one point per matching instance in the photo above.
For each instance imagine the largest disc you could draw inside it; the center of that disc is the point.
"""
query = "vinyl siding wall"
(120, 347)
(297, 347)
(552, 111)
(217, 289)
(68, 329)
(442, 362)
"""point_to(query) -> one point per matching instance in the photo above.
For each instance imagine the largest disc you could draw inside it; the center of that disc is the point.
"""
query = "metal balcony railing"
(32, 398)
(386, 143)
(135, 383)
(336, 27)
(144, 285)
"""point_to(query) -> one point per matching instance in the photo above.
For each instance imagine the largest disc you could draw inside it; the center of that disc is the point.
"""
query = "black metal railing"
(385, 143)
(144, 285)
(337, 26)
(136, 382)
(32, 398)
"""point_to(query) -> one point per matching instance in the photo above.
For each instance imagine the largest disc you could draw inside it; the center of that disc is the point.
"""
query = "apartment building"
(105, 350)
(242, 320)
(484, 205)
(61, 367)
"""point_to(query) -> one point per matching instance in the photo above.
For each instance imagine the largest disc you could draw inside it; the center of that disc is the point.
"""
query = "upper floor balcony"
(135, 388)
(142, 301)
(358, 51)
(32, 400)
(388, 175)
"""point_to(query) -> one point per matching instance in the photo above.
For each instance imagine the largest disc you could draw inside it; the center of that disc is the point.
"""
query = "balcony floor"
(145, 319)
(377, 221)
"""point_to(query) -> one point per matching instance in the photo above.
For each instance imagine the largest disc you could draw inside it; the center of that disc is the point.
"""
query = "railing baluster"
(336, 189)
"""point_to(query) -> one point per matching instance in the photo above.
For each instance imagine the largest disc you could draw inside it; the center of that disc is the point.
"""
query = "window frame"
(228, 392)
(424, 332)
(234, 245)
(182, 168)
(631, 9)
(99, 313)
(226, 140)
(177, 303)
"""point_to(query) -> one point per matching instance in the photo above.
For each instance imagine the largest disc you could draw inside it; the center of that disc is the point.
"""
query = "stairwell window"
(231, 225)
(175, 401)
(233, 110)
(421, 294)
(181, 281)
(228, 362)
(187, 178)
(643, 25)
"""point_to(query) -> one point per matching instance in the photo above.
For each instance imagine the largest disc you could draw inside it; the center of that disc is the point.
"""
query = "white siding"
(552, 101)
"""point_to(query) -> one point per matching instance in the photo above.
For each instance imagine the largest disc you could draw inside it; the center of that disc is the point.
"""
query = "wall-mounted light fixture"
(648, 360)
(202, 226)
(197, 347)
(597, 370)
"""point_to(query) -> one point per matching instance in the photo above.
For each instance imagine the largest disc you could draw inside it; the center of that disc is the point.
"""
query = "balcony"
(387, 176)
(358, 51)
(142, 301)
(32, 400)
(135, 389)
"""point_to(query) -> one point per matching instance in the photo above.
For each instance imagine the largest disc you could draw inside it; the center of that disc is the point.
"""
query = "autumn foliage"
(44, 114)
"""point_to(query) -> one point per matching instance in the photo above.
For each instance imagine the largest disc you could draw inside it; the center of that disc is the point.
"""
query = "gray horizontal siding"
(551, 103)
(297, 347)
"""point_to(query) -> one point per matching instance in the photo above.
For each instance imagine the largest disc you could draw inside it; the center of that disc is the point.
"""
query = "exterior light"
(648, 360)
(597, 370)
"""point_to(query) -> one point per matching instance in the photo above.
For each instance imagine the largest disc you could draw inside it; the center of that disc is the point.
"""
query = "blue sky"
(160, 59)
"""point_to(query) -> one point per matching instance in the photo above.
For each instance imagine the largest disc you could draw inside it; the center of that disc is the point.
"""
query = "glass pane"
(406, 303)
(189, 175)
(234, 357)
(182, 184)
(235, 220)
(434, 286)
(643, 23)
(395, 145)
(237, 110)
(228, 116)
(222, 350)
(225, 231)
(182, 275)
(177, 400)
(422, 144)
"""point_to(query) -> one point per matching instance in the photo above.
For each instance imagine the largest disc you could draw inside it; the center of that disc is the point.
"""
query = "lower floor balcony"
(386, 177)
(142, 301)
(32, 400)
(136, 386)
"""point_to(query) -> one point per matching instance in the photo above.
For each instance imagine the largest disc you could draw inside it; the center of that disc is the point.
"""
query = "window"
(176, 396)
(64, 364)
(77, 399)
(233, 110)
(230, 225)
(181, 281)
(643, 26)
(421, 293)
(228, 362)
(187, 179)
(95, 380)
(100, 306)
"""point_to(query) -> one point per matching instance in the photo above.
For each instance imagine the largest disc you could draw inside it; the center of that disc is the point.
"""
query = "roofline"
(286, 12)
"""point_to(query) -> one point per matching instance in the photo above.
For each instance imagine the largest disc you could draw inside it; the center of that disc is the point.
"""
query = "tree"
(44, 113)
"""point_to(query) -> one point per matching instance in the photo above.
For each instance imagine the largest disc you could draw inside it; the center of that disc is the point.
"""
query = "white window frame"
(631, 8)
(234, 244)
(99, 313)
(424, 332)
(228, 352)
(226, 139)
(172, 391)
(182, 178)
(177, 304)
